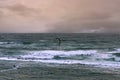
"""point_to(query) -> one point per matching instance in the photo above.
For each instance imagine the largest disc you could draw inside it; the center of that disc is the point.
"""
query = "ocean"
(98, 49)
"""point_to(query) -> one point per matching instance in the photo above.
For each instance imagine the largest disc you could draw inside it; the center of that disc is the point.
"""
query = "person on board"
(59, 41)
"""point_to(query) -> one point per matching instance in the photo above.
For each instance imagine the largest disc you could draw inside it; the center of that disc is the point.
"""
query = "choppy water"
(90, 49)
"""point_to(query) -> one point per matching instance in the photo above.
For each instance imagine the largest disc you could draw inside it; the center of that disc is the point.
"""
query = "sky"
(59, 16)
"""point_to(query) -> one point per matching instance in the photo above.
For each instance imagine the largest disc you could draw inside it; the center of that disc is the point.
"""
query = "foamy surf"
(84, 57)
(50, 54)
(83, 62)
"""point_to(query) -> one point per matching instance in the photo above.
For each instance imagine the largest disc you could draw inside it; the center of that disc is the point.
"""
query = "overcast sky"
(59, 16)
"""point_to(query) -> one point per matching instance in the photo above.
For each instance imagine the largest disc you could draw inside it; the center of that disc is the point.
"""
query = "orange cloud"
(59, 16)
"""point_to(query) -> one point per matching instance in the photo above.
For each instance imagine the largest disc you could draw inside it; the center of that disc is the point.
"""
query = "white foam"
(7, 58)
(50, 54)
(3, 43)
(46, 56)
(102, 55)
(92, 55)
(118, 49)
(84, 62)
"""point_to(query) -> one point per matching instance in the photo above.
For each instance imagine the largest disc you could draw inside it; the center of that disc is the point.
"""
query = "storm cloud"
(60, 16)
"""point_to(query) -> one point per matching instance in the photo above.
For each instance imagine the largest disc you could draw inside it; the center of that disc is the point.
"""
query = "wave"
(85, 62)
(85, 57)
(3, 43)
(89, 54)
(50, 54)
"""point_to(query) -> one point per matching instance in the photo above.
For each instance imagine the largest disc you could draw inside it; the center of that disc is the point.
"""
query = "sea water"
(78, 48)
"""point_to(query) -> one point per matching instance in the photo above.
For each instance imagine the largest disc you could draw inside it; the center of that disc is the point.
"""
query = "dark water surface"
(90, 49)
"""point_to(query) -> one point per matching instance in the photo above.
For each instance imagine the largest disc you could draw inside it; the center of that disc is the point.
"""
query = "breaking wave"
(85, 57)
